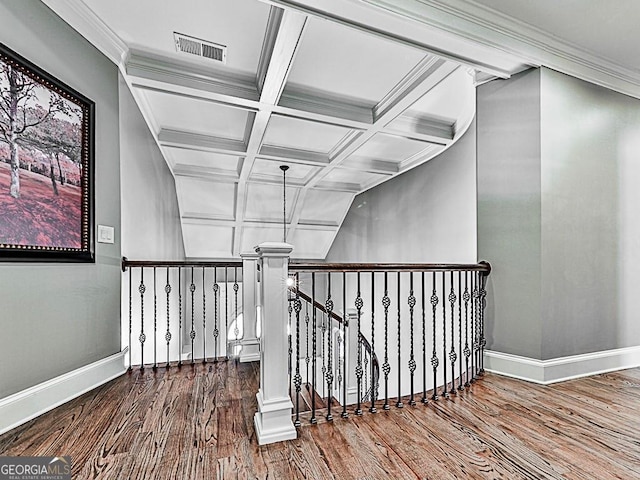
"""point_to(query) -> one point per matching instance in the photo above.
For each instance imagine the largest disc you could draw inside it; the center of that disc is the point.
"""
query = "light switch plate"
(105, 234)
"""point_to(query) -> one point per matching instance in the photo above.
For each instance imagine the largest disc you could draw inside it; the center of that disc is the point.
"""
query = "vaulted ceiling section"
(345, 106)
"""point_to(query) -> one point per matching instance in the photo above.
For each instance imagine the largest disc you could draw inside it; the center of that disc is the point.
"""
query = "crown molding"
(83, 20)
(474, 22)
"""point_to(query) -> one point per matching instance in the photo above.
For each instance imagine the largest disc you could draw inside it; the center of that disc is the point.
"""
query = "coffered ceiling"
(347, 93)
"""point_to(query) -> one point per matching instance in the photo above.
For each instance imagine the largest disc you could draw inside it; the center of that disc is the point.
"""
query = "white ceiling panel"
(345, 107)
(252, 236)
(263, 168)
(347, 62)
(149, 24)
(312, 243)
(325, 206)
(205, 198)
(200, 159)
(303, 134)
(197, 116)
(390, 148)
(207, 241)
(264, 202)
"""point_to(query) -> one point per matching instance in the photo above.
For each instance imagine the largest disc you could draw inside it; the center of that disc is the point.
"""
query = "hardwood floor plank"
(196, 422)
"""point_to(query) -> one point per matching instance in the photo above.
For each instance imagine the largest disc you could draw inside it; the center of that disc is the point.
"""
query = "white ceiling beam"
(371, 165)
(198, 141)
(307, 100)
(425, 76)
(284, 154)
(411, 126)
(285, 30)
(209, 173)
(361, 17)
(172, 71)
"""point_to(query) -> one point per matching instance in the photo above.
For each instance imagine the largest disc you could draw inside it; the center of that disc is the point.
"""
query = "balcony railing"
(423, 322)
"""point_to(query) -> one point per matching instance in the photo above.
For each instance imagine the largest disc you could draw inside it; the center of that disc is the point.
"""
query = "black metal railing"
(426, 320)
(182, 311)
(312, 391)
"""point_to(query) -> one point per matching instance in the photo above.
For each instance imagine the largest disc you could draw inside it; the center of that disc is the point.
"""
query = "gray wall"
(425, 215)
(58, 317)
(509, 211)
(151, 227)
(590, 225)
(557, 214)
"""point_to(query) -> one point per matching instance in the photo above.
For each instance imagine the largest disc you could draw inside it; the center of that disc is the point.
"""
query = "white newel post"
(273, 419)
(250, 343)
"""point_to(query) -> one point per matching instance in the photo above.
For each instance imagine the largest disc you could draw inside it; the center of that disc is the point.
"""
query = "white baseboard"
(28, 404)
(560, 369)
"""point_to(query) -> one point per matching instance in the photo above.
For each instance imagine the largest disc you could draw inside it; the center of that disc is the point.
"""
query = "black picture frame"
(47, 141)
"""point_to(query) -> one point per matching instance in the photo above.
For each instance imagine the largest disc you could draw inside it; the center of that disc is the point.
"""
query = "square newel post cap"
(274, 249)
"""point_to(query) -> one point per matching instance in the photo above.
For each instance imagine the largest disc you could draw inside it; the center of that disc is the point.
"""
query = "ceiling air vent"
(201, 48)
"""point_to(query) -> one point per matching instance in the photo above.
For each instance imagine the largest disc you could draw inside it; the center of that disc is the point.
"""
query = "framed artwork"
(46, 166)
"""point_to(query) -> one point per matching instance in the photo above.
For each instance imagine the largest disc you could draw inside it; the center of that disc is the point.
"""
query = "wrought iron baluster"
(434, 358)
(236, 329)
(167, 335)
(445, 394)
(226, 313)
(192, 333)
(483, 304)
(130, 318)
(323, 333)
(411, 301)
(290, 300)
(142, 288)
(338, 373)
(374, 386)
(204, 318)
(365, 374)
(297, 380)
(306, 321)
(424, 344)
(344, 413)
(460, 387)
(329, 307)
(179, 316)
(399, 403)
(474, 322)
(358, 304)
(314, 350)
(155, 322)
(216, 331)
(386, 368)
(467, 353)
(452, 354)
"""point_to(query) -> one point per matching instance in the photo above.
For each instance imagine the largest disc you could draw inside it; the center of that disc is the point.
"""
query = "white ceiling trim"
(89, 25)
(278, 53)
(473, 21)
(308, 7)
(267, 94)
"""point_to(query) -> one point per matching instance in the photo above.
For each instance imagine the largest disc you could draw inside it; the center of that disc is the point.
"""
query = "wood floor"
(197, 422)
